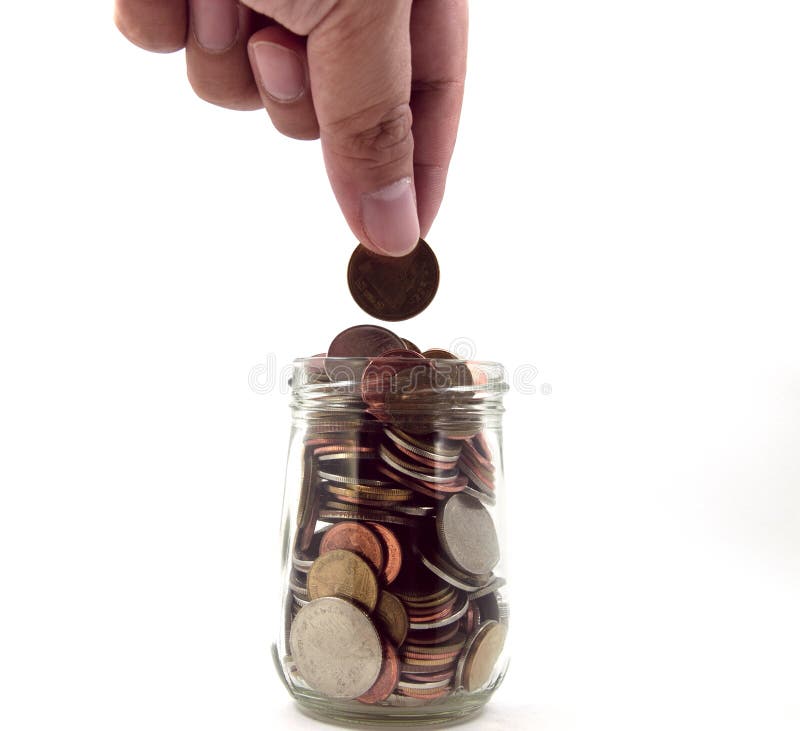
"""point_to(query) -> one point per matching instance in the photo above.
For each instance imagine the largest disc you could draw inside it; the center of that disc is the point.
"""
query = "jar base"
(447, 711)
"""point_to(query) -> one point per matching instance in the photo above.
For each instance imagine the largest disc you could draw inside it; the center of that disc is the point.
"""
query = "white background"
(622, 214)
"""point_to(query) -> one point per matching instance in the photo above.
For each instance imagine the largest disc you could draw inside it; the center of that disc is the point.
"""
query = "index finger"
(438, 68)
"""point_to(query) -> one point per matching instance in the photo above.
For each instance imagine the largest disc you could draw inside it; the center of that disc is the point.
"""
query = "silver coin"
(442, 622)
(424, 686)
(346, 480)
(387, 457)
(421, 452)
(484, 497)
(494, 585)
(449, 576)
(467, 534)
(475, 480)
(403, 700)
(336, 647)
(415, 510)
(373, 516)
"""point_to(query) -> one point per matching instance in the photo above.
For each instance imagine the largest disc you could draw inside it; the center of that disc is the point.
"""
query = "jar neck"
(433, 395)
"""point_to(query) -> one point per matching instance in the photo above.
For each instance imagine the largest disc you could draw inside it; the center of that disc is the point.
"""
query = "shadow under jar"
(394, 605)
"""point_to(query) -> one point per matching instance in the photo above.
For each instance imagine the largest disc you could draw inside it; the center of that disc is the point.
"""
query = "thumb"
(360, 71)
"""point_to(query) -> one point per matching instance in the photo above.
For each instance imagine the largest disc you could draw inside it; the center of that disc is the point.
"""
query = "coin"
(388, 677)
(411, 447)
(377, 377)
(372, 516)
(336, 648)
(480, 656)
(439, 353)
(392, 617)
(394, 554)
(364, 341)
(393, 288)
(452, 617)
(345, 574)
(438, 566)
(467, 534)
(357, 538)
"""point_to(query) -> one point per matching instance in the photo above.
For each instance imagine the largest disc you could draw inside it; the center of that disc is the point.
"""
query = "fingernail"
(216, 23)
(282, 74)
(390, 220)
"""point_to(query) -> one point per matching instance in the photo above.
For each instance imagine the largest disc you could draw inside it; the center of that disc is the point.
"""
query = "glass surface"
(394, 603)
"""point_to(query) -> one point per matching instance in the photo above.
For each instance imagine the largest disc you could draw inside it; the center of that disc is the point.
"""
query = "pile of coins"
(392, 594)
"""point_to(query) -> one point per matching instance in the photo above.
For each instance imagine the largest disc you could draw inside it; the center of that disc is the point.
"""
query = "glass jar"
(394, 607)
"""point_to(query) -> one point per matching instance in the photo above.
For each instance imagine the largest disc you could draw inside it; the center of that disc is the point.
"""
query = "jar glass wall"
(393, 597)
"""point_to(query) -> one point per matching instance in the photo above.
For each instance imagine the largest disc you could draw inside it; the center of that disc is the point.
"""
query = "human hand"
(354, 73)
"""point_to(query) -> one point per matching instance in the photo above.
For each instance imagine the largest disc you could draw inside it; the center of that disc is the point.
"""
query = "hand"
(352, 72)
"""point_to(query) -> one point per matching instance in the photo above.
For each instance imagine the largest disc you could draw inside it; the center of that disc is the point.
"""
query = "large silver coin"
(467, 534)
(336, 648)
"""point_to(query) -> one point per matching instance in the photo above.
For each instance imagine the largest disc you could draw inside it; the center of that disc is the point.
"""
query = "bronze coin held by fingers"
(393, 288)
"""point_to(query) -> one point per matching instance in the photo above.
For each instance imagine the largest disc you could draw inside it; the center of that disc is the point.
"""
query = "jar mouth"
(408, 390)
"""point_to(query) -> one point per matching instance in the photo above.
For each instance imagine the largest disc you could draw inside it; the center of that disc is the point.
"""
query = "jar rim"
(441, 391)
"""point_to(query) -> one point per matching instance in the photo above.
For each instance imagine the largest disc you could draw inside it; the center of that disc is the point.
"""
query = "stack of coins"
(392, 594)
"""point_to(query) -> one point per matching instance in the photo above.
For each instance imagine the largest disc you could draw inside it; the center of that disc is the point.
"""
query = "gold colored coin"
(392, 616)
(483, 654)
(371, 493)
(344, 574)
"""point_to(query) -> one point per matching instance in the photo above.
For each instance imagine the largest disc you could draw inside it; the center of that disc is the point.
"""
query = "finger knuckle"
(375, 139)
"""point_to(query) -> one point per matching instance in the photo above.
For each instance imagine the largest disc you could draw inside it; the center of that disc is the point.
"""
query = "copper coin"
(432, 678)
(344, 574)
(377, 378)
(393, 287)
(410, 345)
(439, 354)
(362, 341)
(388, 678)
(394, 553)
(345, 449)
(354, 498)
(392, 616)
(471, 618)
(445, 611)
(449, 647)
(433, 636)
(356, 538)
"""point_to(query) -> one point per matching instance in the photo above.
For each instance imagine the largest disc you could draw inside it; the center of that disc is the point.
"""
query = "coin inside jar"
(336, 648)
(393, 288)
(480, 655)
(393, 617)
(345, 574)
(467, 534)
(359, 539)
